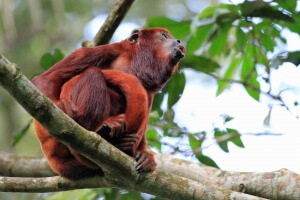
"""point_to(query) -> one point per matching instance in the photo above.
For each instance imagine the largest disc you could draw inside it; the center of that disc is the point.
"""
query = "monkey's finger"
(140, 167)
(128, 144)
(132, 136)
(137, 157)
(141, 158)
(125, 148)
(123, 140)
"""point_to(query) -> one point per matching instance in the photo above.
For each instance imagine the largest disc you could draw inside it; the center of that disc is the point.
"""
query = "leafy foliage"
(228, 42)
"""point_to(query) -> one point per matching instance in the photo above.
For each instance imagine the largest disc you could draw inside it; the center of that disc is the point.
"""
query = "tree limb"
(118, 168)
(111, 23)
(271, 185)
(49, 184)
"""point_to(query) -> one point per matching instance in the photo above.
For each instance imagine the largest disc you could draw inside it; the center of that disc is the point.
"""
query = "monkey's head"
(155, 57)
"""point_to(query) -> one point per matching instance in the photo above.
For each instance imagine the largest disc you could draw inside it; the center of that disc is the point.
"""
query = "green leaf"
(197, 39)
(175, 88)
(289, 5)
(268, 42)
(249, 74)
(22, 132)
(178, 29)
(206, 160)
(219, 42)
(200, 63)
(259, 8)
(154, 117)
(235, 140)
(223, 145)
(57, 55)
(227, 118)
(293, 26)
(241, 39)
(194, 142)
(293, 57)
(153, 139)
(229, 74)
(48, 59)
(157, 102)
(207, 12)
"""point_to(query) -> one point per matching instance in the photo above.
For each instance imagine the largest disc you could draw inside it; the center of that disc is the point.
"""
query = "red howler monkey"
(109, 89)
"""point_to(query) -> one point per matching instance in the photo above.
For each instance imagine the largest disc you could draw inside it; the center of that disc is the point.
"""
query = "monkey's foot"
(113, 126)
(127, 142)
(145, 162)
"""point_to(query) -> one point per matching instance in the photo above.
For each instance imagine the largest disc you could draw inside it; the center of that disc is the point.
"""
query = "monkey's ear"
(134, 36)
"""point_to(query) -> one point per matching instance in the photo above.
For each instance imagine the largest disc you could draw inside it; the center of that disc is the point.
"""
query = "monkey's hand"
(113, 126)
(127, 143)
(145, 162)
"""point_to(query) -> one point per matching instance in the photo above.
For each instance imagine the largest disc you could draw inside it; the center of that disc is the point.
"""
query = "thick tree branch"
(118, 168)
(271, 185)
(13, 165)
(111, 23)
(49, 184)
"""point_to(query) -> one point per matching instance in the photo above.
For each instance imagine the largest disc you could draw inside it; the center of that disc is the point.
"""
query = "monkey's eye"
(165, 35)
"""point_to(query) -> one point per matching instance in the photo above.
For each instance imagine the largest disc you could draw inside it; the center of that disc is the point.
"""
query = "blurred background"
(233, 104)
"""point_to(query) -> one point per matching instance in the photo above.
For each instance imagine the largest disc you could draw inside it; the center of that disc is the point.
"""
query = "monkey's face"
(160, 42)
(154, 56)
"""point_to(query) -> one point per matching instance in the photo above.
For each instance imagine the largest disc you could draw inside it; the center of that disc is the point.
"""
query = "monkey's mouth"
(179, 51)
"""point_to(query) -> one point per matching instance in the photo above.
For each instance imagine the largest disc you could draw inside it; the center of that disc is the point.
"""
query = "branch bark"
(271, 185)
(111, 23)
(118, 168)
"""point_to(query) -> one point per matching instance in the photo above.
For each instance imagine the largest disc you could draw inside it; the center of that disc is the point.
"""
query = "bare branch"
(49, 184)
(111, 23)
(272, 185)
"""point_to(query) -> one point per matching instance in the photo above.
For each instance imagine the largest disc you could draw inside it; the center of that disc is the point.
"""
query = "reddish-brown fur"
(109, 89)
